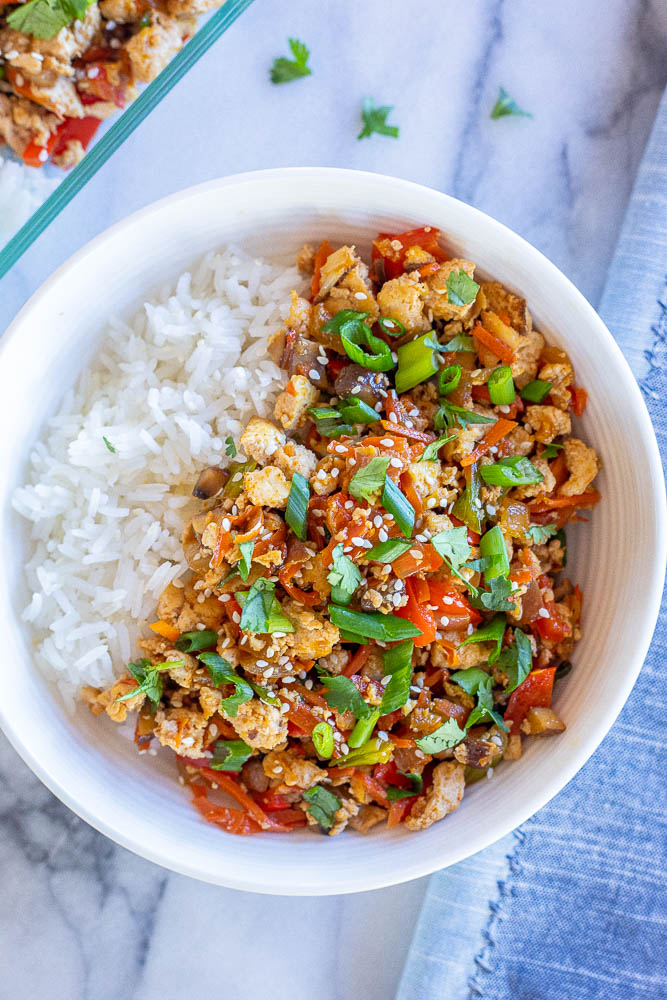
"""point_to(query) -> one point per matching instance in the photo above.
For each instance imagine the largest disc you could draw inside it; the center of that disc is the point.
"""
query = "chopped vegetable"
(223, 673)
(296, 514)
(369, 480)
(285, 70)
(449, 379)
(372, 624)
(389, 551)
(261, 609)
(540, 533)
(493, 631)
(517, 660)
(192, 642)
(535, 391)
(513, 471)
(246, 549)
(430, 452)
(342, 694)
(418, 360)
(501, 386)
(374, 752)
(344, 577)
(449, 414)
(494, 553)
(109, 445)
(363, 729)
(323, 740)
(461, 289)
(535, 692)
(492, 436)
(392, 327)
(398, 505)
(45, 18)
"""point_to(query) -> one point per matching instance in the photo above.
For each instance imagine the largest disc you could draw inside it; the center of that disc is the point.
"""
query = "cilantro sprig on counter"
(506, 106)
(285, 70)
(375, 120)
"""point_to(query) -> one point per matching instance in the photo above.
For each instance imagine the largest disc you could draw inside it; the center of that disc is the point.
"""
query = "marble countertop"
(83, 919)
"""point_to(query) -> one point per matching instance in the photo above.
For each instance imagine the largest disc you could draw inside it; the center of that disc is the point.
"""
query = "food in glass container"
(66, 65)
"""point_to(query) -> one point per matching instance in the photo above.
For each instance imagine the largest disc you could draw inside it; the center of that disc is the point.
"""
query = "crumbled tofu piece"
(152, 48)
(541, 720)
(181, 729)
(561, 376)
(548, 422)
(263, 727)
(505, 303)
(296, 458)
(267, 487)
(437, 297)
(582, 464)
(288, 768)
(292, 404)
(314, 635)
(261, 440)
(443, 797)
(526, 358)
(535, 489)
(402, 299)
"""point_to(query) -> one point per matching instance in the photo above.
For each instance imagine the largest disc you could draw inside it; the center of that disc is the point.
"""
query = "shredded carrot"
(579, 400)
(398, 810)
(401, 742)
(166, 630)
(494, 344)
(408, 432)
(501, 427)
(223, 541)
(231, 787)
(308, 598)
(559, 469)
(543, 504)
(357, 661)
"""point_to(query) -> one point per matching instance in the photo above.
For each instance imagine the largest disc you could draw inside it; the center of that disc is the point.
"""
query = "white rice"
(22, 191)
(166, 390)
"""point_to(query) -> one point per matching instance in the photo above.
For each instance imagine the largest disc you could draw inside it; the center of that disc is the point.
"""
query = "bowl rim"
(553, 783)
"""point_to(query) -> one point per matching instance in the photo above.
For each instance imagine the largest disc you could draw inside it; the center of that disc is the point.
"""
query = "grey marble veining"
(83, 919)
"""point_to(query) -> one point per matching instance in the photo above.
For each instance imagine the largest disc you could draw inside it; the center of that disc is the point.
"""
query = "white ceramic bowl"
(617, 558)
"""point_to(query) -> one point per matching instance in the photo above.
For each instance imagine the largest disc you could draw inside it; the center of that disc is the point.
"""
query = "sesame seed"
(395, 463)
(360, 295)
(284, 708)
(378, 406)
(393, 418)
(243, 641)
(349, 504)
(348, 548)
(279, 635)
(448, 600)
(236, 617)
(438, 635)
(377, 521)
(444, 621)
(200, 627)
(226, 524)
(357, 540)
(321, 474)
(387, 442)
(344, 749)
(491, 510)
(237, 477)
(543, 613)
(268, 672)
(200, 598)
(382, 736)
(225, 597)
(470, 630)
(352, 461)
(314, 374)
(355, 390)
(262, 663)
(225, 642)
(382, 535)
(308, 683)
(504, 408)
(342, 450)
(385, 680)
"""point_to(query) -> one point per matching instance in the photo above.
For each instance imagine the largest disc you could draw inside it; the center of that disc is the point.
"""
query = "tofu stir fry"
(376, 612)
(66, 65)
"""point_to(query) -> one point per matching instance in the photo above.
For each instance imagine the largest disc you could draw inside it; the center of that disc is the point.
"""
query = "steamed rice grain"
(167, 389)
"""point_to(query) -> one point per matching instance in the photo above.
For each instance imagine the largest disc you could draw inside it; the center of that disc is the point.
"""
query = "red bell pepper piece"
(553, 628)
(535, 692)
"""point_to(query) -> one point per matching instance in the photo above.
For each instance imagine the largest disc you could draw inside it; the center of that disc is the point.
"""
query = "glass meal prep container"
(76, 78)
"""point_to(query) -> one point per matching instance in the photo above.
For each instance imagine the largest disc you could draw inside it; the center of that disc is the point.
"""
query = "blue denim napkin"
(571, 906)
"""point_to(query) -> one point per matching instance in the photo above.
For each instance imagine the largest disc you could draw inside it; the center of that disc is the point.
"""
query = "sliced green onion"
(493, 631)
(387, 552)
(468, 506)
(354, 411)
(234, 484)
(417, 361)
(392, 327)
(514, 471)
(501, 386)
(352, 637)
(323, 740)
(536, 390)
(373, 624)
(398, 505)
(296, 514)
(430, 452)
(449, 379)
(192, 642)
(246, 549)
(493, 551)
(397, 690)
(362, 731)
(397, 657)
(229, 755)
(378, 359)
(374, 752)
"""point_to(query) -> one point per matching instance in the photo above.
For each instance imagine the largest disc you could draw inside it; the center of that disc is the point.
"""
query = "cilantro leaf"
(344, 577)
(375, 120)
(541, 532)
(416, 783)
(369, 480)
(551, 450)
(477, 682)
(506, 105)
(517, 660)
(446, 736)
(449, 414)
(343, 695)
(285, 70)
(246, 549)
(461, 342)
(109, 445)
(322, 805)
(430, 452)
(45, 18)
(496, 598)
(493, 631)
(148, 679)
(231, 447)
(452, 545)
(261, 609)
(230, 755)
(223, 673)
(461, 289)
